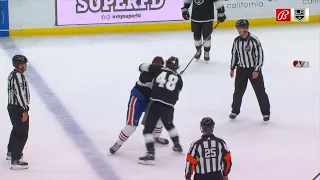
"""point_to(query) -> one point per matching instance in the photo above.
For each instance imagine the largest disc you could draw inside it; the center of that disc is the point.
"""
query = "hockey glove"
(221, 17)
(185, 13)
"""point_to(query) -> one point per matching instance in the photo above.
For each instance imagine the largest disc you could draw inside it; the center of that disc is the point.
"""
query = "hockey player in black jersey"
(166, 88)
(202, 17)
(139, 99)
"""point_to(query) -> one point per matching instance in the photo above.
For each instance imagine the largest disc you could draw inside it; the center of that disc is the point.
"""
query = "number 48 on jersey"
(169, 82)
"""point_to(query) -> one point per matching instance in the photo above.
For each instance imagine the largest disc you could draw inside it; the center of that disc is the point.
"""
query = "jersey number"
(169, 83)
(210, 153)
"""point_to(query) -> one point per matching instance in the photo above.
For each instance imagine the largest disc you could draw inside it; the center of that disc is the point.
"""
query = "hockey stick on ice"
(199, 49)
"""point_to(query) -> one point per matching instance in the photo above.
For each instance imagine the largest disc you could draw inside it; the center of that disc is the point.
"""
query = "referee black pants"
(208, 176)
(19, 133)
(241, 81)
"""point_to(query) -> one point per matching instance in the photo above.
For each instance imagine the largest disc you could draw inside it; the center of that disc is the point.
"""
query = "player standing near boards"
(248, 57)
(202, 17)
(138, 102)
(166, 88)
(209, 156)
(18, 107)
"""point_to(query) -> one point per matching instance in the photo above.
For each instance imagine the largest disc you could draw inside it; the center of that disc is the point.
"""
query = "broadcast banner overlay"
(4, 18)
(292, 15)
(84, 12)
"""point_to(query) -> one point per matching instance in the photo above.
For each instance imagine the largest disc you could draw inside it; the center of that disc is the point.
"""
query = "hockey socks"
(149, 158)
(207, 45)
(175, 139)
(198, 44)
(207, 48)
(157, 132)
(158, 129)
(125, 133)
(128, 130)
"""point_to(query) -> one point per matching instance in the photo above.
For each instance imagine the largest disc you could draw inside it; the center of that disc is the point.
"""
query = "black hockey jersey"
(144, 84)
(203, 10)
(167, 84)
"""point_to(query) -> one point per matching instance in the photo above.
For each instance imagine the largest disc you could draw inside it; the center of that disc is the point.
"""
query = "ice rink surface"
(92, 77)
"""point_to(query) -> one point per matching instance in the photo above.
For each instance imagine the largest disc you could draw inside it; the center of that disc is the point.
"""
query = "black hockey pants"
(19, 133)
(155, 111)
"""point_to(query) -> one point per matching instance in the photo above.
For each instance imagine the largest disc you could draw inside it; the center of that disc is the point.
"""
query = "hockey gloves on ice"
(185, 13)
(221, 17)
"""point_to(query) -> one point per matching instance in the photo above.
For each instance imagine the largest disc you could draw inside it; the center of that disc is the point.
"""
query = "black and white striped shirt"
(208, 155)
(247, 53)
(18, 90)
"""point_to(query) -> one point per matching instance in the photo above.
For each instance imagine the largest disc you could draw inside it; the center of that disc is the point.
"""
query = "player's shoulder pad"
(144, 67)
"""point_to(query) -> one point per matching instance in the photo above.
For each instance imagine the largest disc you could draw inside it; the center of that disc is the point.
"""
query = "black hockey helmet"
(173, 63)
(19, 59)
(242, 23)
(158, 60)
(207, 125)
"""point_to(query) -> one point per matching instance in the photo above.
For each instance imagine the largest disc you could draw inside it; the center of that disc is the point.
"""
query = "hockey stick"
(199, 49)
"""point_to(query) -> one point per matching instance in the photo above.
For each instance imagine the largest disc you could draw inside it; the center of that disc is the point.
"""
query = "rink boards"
(153, 27)
(60, 17)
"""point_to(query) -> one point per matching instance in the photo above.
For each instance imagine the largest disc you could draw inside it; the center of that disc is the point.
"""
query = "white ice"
(93, 76)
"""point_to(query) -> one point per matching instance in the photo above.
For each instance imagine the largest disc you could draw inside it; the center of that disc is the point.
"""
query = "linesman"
(209, 156)
(18, 107)
(248, 57)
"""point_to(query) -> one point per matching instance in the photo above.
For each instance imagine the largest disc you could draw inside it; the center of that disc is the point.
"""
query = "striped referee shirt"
(247, 53)
(208, 155)
(18, 90)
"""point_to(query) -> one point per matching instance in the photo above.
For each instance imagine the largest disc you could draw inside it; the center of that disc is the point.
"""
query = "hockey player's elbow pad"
(144, 67)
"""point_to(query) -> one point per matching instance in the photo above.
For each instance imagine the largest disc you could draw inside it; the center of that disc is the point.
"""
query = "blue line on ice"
(69, 124)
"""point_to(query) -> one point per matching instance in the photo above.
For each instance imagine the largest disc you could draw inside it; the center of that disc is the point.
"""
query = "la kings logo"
(199, 2)
(299, 14)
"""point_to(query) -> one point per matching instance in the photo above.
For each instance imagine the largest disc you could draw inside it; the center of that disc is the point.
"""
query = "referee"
(209, 156)
(248, 57)
(18, 107)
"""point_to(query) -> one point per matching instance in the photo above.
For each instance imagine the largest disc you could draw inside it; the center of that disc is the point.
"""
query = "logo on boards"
(292, 15)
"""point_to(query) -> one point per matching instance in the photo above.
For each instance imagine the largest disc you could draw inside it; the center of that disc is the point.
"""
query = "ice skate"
(114, 148)
(162, 141)
(206, 56)
(266, 118)
(177, 148)
(198, 55)
(19, 165)
(148, 159)
(233, 116)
